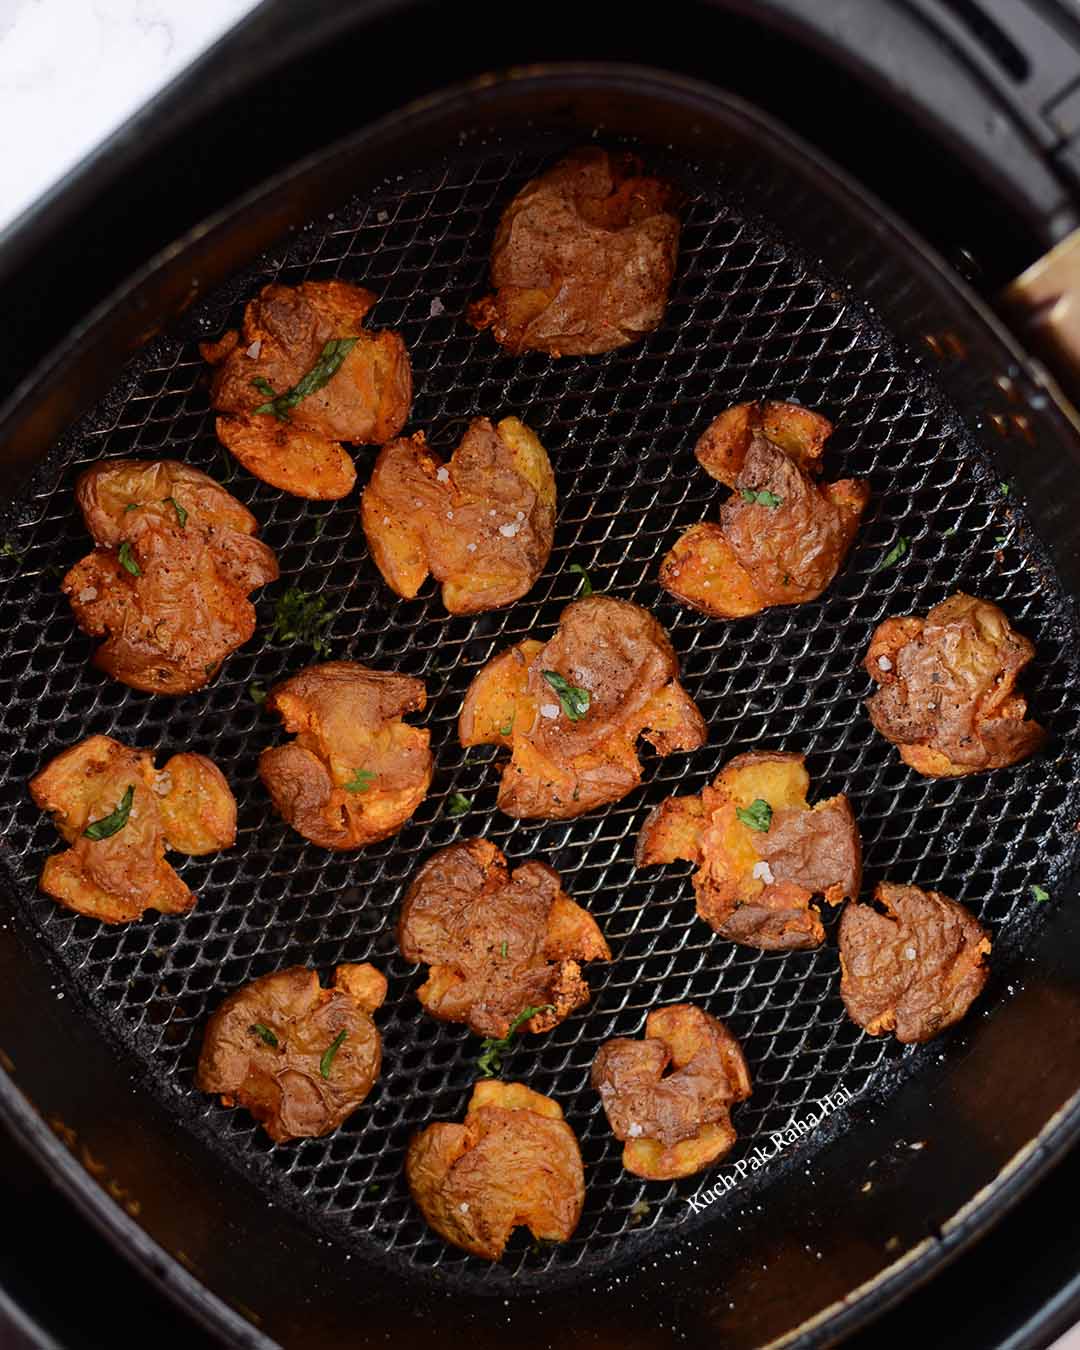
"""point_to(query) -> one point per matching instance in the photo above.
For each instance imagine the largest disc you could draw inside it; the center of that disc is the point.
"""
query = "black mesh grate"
(748, 318)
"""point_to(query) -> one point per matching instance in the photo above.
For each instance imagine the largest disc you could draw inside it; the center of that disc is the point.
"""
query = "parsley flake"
(586, 587)
(761, 497)
(127, 561)
(756, 816)
(302, 618)
(331, 1050)
(457, 804)
(264, 1034)
(181, 514)
(575, 700)
(1040, 894)
(894, 554)
(492, 1049)
(321, 373)
(360, 781)
(115, 821)
(257, 692)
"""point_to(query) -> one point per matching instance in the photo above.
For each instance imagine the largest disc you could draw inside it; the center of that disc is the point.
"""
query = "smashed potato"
(304, 376)
(762, 852)
(482, 524)
(355, 772)
(299, 1057)
(514, 1161)
(583, 259)
(672, 1123)
(782, 536)
(571, 710)
(497, 941)
(167, 584)
(914, 970)
(119, 816)
(947, 696)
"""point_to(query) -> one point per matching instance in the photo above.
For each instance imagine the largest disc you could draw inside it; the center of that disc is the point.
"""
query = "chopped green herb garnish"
(762, 497)
(361, 780)
(1001, 541)
(894, 554)
(457, 804)
(638, 1212)
(1005, 489)
(507, 727)
(181, 514)
(950, 532)
(264, 1034)
(132, 506)
(756, 816)
(320, 525)
(300, 617)
(586, 585)
(257, 692)
(331, 1051)
(504, 948)
(1039, 893)
(374, 1188)
(575, 700)
(115, 821)
(322, 372)
(127, 562)
(492, 1050)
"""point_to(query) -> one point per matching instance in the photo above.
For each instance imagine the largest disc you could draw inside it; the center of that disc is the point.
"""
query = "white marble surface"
(72, 71)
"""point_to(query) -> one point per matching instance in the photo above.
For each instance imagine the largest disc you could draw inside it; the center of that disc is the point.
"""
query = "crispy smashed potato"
(575, 750)
(672, 1123)
(482, 524)
(355, 772)
(299, 1057)
(914, 970)
(497, 941)
(289, 336)
(133, 814)
(782, 536)
(167, 585)
(759, 870)
(583, 258)
(514, 1161)
(947, 696)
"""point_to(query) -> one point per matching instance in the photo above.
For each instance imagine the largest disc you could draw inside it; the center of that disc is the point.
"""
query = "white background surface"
(71, 71)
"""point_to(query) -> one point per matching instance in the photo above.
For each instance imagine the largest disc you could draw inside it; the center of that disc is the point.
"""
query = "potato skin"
(513, 1161)
(187, 807)
(170, 623)
(914, 970)
(560, 768)
(483, 524)
(282, 1085)
(347, 717)
(583, 258)
(674, 1125)
(947, 689)
(497, 941)
(761, 555)
(366, 401)
(755, 887)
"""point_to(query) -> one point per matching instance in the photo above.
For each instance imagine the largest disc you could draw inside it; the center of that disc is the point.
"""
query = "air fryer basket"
(782, 291)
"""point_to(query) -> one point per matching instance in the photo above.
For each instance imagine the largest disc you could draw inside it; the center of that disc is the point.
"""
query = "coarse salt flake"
(464, 1206)
(87, 594)
(909, 952)
(763, 872)
(470, 548)
(508, 531)
(255, 348)
(436, 308)
(163, 783)
(386, 520)
(449, 515)
(521, 515)
(884, 663)
(634, 1130)
(443, 474)
(549, 710)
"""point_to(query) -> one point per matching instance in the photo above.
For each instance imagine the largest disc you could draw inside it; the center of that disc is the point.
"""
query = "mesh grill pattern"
(748, 318)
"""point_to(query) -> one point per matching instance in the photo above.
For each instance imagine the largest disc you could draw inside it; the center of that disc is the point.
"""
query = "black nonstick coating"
(749, 317)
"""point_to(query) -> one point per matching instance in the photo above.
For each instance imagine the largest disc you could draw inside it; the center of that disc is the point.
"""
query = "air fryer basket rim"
(890, 1283)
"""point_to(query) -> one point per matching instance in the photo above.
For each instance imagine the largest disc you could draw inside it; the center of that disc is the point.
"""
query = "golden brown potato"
(119, 816)
(762, 852)
(514, 1161)
(782, 537)
(497, 942)
(168, 583)
(914, 970)
(482, 524)
(571, 710)
(355, 772)
(672, 1124)
(583, 258)
(299, 1057)
(290, 346)
(947, 695)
